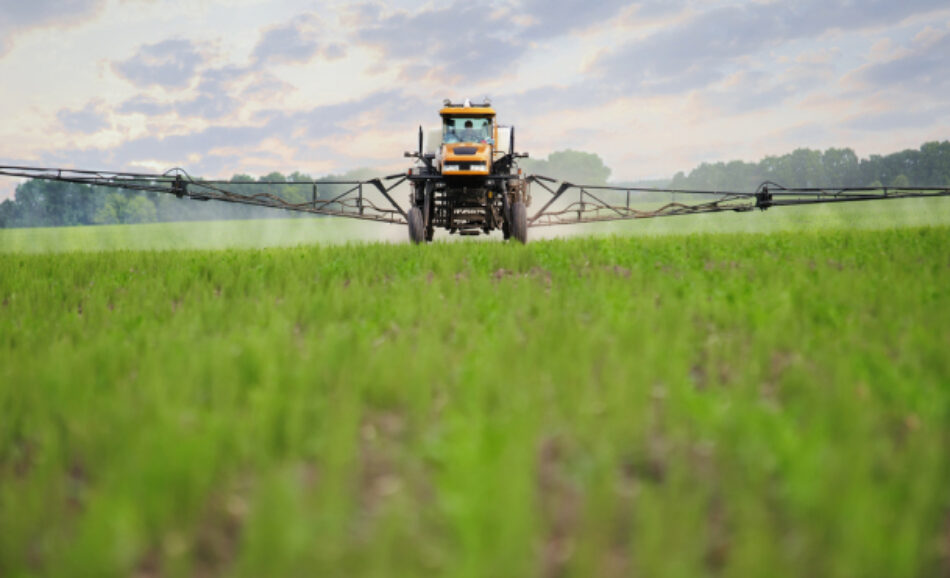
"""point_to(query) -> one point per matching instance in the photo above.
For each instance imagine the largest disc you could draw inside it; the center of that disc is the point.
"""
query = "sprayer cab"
(467, 179)
(469, 135)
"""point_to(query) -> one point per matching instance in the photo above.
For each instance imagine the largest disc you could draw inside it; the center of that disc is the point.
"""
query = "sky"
(653, 87)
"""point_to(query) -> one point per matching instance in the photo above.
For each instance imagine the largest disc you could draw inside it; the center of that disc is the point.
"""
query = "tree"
(843, 166)
(139, 210)
(570, 165)
(125, 208)
(112, 209)
(901, 182)
(109, 212)
(929, 166)
(8, 210)
(45, 203)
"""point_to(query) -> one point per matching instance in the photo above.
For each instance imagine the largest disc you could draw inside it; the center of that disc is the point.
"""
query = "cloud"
(19, 16)
(215, 96)
(753, 89)
(926, 67)
(295, 42)
(458, 40)
(706, 48)
(551, 18)
(750, 90)
(685, 70)
(894, 120)
(142, 104)
(89, 119)
(216, 145)
(169, 64)
(461, 41)
(553, 99)
(220, 91)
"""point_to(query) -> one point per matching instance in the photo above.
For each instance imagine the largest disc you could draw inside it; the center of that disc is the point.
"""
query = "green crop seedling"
(654, 404)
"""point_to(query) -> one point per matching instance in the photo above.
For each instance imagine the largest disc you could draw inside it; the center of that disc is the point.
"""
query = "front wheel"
(519, 222)
(417, 227)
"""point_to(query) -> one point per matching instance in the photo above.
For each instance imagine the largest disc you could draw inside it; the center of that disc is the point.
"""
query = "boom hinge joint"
(763, 198)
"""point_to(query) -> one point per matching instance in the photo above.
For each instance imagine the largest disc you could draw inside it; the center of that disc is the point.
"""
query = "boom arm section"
(347, 198)
(572, 204)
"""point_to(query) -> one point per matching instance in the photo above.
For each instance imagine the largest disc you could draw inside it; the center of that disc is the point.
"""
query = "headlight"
(464, 167)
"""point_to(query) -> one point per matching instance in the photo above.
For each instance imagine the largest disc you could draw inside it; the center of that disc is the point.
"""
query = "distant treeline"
(56, 204)
(50, 204)
(927, 167)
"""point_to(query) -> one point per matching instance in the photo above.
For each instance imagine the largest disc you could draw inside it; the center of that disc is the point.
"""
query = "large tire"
(519, 222)
(417, 227)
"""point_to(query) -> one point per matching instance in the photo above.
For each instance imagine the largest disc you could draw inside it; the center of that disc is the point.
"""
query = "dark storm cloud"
(170, 64)
(88, 120)
(17, 16)
(707, 47)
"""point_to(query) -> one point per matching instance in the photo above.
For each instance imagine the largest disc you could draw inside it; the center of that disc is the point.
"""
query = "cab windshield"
(466, 129)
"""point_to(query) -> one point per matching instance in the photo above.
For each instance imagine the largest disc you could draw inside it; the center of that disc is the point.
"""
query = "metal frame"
(351, 203)
(588, 207)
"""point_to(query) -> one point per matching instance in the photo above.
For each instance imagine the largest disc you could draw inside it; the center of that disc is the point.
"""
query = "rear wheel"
(519, 222)
(417, 227)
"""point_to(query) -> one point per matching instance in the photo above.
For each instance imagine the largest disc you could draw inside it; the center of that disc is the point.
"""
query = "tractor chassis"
(468, 205)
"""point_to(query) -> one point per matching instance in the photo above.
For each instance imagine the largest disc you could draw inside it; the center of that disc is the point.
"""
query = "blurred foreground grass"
(709, 404)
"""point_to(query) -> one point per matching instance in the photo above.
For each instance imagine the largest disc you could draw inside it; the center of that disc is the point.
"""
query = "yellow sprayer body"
(469, 137)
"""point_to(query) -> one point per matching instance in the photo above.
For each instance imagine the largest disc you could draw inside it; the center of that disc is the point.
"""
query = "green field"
(667, 401)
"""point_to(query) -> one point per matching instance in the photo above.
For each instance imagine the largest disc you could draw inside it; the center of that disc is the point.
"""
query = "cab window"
(466, 129)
